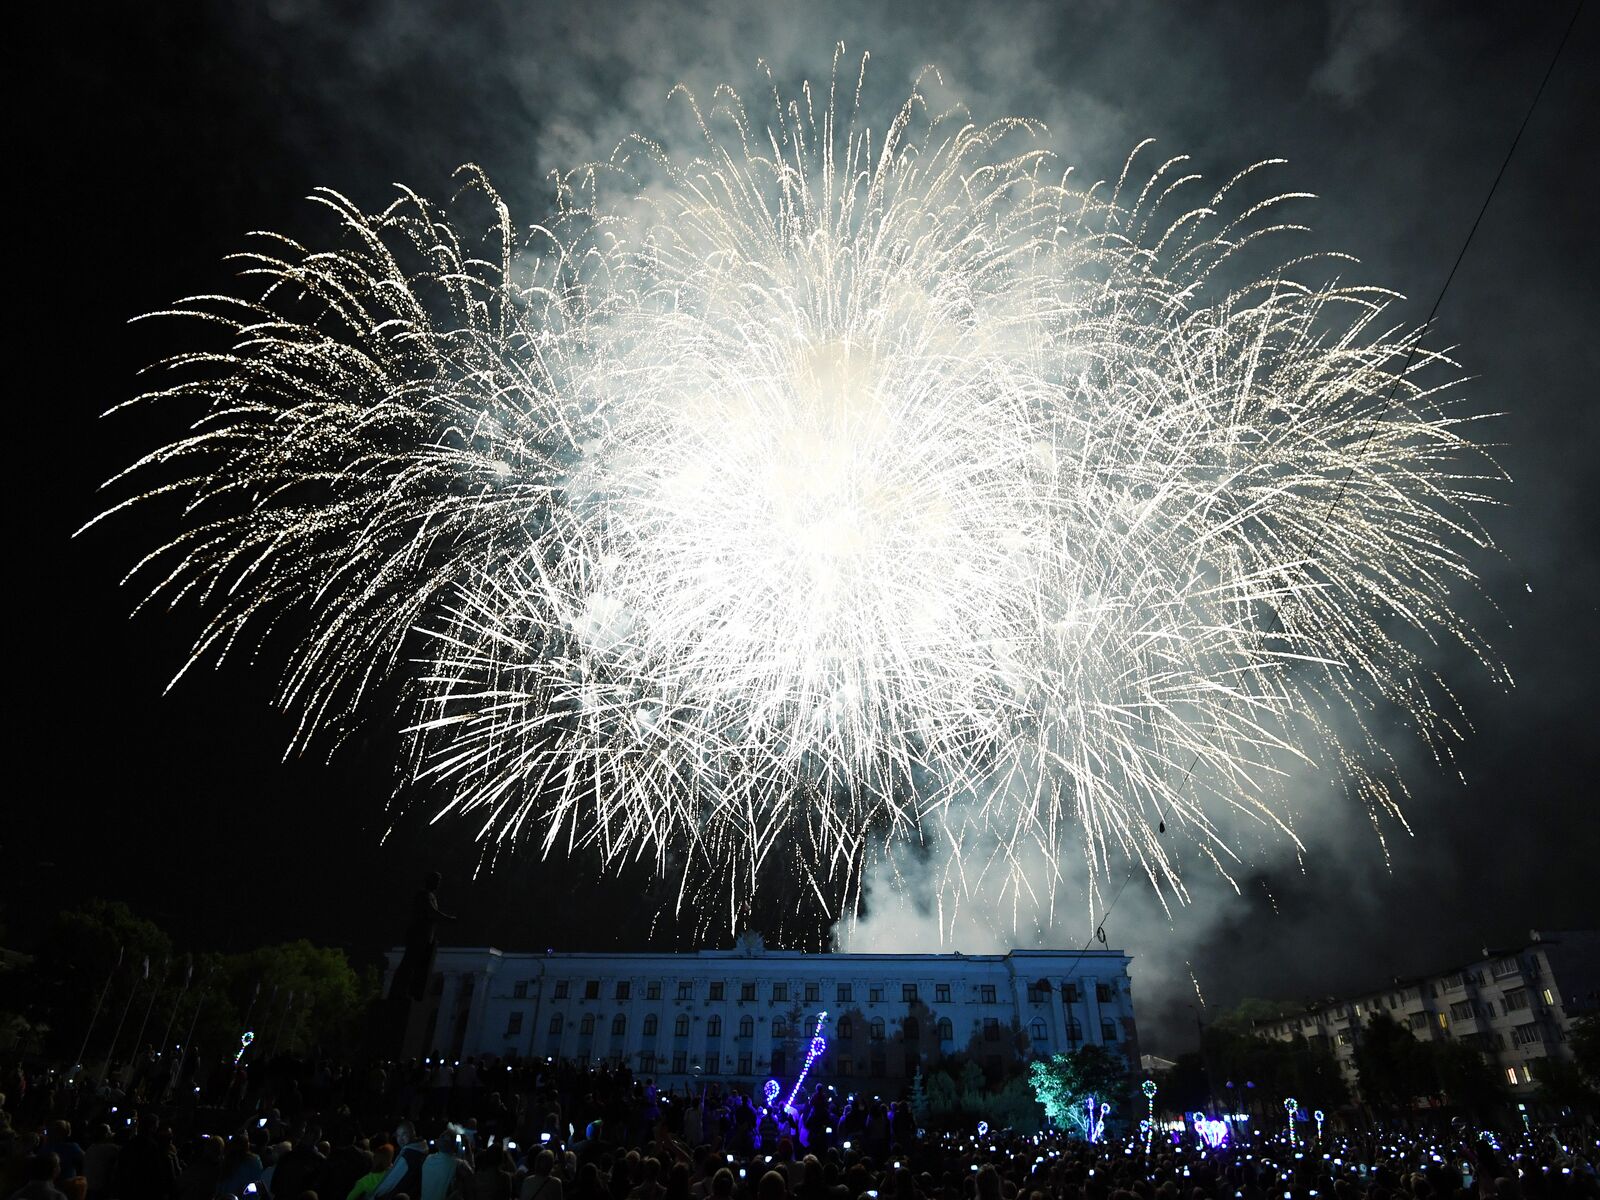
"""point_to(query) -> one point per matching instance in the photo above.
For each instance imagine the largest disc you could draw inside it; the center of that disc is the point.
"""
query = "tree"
(1391, 1065)
(1584, 1038)
(1062, 1082)
(919, 1097)
(1465, 1077)
(310, 998)
(1563, 1083)
(88, 945)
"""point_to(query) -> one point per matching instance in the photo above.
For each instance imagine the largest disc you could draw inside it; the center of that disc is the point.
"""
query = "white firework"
(831, 490)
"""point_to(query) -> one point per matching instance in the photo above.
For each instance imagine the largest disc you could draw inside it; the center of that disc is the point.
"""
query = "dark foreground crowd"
(535, 1131)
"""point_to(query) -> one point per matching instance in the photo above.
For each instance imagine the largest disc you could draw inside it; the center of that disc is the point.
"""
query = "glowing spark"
(839, 489)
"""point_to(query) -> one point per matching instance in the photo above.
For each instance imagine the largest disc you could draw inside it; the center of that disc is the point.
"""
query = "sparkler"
(834, 489)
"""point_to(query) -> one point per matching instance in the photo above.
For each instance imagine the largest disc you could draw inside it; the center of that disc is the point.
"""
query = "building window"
(875, 995)
(650, 1025)
(1415, 1020)
(908, 993)
(652, 990)
(519, 990)
(910, 1031)
(1549, 997)
(941, 993)
(1501, 968)
(1444, 1020)
(619, 1025)
(846, 1068)
(991, 1029)
(555, 1023)
(779, 1061)
(876, 1029)
(680, 1063)
(647, 1063)
(1069, 993)
(1461, 1010)
(747, 991)
(561, 989)
(686, 991)
(1527, 1073)
(744, 1063)
(717, 991)
(780, 993)
(591, 990)
(1038, 993)
(714, 1065)
(813, 993)
(947, 1031)
(680, 1027)
(844, 993)
(1037, 1029)
(747, 1027)
(846, 1029)
(1102, 993)
(623, 989)
(1525, 1035)
(1108, 1031)
(1074, 1031)
(587, 1024)
(1511, 1076)
(986, 993)
(1516, 1000)
(514, 1024)
(780, 1028)
(713, 1027)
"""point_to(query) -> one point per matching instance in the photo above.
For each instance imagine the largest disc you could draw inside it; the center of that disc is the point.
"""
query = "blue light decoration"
(245, 1039)
(1095, 1123)
(770, 1090)
(1212, 1134)
(983, 1129)
(813, 1052)
(1292, 1107)
(1148, 1087)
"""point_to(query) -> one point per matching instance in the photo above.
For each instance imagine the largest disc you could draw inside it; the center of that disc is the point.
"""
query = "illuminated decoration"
(1212, 1134)
(770, 1090)
(1148, 1087)
(983, 1128)
(245, 1039)
(745, 493)
(1292, 1107)
(1318, 1116)
(1094, 1125)
(813, 1052)
(1146, 1131)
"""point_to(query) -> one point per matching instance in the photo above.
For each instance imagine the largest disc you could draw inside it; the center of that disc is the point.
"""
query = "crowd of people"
(531, 1130)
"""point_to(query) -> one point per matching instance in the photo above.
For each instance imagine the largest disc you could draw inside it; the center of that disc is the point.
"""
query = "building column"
(1091, 1011)
(474, 1041)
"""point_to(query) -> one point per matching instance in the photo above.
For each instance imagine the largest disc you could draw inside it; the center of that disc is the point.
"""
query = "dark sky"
(153, 137)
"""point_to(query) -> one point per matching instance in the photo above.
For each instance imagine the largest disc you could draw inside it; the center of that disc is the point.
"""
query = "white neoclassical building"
(748, 1014)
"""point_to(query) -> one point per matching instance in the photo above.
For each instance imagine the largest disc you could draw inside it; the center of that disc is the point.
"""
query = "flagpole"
(110, 975)
(116, 1034)
(148, 1009)
(188, 1038)
(177, 1004)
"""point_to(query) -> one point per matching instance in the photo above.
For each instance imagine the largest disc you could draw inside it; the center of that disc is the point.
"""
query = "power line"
(1099, 931)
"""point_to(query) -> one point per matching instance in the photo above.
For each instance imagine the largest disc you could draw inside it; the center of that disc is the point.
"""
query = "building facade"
(748, 1014)
(1514, 1005)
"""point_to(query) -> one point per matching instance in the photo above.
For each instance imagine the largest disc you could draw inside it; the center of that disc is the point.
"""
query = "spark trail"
(832, 489)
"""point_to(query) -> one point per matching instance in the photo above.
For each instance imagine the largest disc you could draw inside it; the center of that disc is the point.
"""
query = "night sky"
(154, 137)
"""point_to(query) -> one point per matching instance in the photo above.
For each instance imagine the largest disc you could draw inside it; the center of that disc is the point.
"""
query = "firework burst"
(828, 490)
